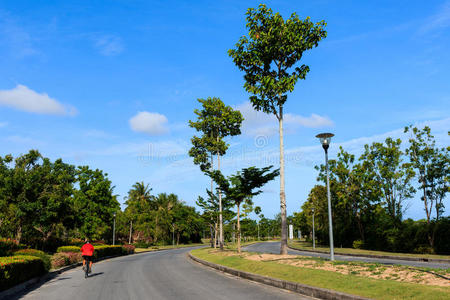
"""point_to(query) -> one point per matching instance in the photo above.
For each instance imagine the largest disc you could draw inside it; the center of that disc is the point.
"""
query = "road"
(155, 275)
(274, 247)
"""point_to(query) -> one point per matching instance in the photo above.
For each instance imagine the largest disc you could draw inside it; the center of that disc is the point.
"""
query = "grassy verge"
(308, 246)
(352, 284)
(155, 248)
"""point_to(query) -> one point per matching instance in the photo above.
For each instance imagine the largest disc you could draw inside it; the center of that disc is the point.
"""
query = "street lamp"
(114, 230)
(314, 235)
(325, 139)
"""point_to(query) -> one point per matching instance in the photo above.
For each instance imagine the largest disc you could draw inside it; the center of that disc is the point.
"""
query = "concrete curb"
(422, 259)
(303, 289)
(52, 274)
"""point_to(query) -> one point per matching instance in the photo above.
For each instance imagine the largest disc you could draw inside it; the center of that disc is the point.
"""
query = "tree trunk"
(238, 230)
(19, 234)
(220, 206)
(283, 249)
(131, 231)
(211, 234)
(215, 235)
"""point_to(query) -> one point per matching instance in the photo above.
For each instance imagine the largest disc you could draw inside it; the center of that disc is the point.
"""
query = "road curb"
(421, 259)
(303, 289)
(52, 274)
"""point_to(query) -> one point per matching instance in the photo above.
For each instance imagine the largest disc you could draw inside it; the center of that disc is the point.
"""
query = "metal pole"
(314, 235)
(173, 235)
(114, 230)
(330, 221)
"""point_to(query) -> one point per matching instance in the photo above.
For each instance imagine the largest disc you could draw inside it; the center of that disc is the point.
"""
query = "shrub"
(142, 244)
(424, 249)
(442, 238)
(37, 253)
(65, 258)
(128, 249)
(8, 246)
(358, 244)
(17, 269)
(104, 251)
(68, 249)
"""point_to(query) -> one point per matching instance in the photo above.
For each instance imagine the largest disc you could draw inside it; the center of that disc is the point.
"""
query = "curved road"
(274, 247)
(166, 274)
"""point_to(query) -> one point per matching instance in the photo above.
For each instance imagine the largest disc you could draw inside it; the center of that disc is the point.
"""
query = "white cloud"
(25, 99)
(109, 45)
(150, 123)
(259, 123)
(437, 21)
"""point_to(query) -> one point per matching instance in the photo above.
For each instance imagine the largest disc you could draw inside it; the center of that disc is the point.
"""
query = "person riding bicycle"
(87, 251)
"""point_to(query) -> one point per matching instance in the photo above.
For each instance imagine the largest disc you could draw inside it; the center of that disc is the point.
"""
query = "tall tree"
(94, 202)
(269, 57)
(241, 187)
(215, 121)
(139, 204)
(392, 176)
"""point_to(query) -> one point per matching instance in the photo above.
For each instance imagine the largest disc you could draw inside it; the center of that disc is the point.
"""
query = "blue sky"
(112, 85)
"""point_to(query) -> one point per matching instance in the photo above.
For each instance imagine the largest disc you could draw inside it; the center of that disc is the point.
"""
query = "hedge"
(101, 250)
(36, 253)
(8, 246)
(68, 249)
(62, 259)
(17, 269)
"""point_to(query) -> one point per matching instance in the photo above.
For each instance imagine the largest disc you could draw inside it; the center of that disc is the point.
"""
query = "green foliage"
(68, 249)
(94, 203)
(215, 121)
(8, 246)
(17, 269)
(37, 253)
(358, 244)
(442, 239)
(270, 52)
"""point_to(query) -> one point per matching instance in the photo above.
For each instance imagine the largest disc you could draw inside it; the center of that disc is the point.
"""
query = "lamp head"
(325, 139)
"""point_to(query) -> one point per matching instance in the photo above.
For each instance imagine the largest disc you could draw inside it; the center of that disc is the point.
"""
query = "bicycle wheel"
(86, 270)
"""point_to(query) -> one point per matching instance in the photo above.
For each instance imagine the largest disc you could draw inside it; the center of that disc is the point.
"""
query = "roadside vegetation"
(363, 279)
(303, 245)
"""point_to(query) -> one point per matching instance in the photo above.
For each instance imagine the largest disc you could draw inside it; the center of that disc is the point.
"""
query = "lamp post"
(314, 235)
(325, 139)
(114, 230)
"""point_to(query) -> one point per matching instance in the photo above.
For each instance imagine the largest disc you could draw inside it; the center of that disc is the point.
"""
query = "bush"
(358, 244)
(442, 238)
(142, 244)
(8, 246)
(17, 269)
(65, 258)
(424, 249)
(68, 249)
(104, 251)
(36, 253)
(128, 249)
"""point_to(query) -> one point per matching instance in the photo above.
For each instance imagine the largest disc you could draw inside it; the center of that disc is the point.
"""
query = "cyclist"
(87, 251)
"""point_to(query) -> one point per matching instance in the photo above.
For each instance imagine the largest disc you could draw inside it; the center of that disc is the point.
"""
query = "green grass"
(308, 246)
(154, 248)
(352, 284)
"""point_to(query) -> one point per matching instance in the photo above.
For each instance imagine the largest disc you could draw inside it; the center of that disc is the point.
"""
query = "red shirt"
(87, 249)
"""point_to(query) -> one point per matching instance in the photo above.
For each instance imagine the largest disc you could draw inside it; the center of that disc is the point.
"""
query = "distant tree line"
(370, 195)
(157, 219)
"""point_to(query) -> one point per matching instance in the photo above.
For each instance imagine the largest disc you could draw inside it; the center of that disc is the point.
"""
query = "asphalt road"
(274, 247)
(155, 275)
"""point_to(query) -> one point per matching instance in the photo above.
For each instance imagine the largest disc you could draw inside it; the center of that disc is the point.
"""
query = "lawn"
(350, 283)
(302, 245)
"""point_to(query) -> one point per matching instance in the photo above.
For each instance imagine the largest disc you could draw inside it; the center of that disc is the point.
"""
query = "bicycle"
(86, 270)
